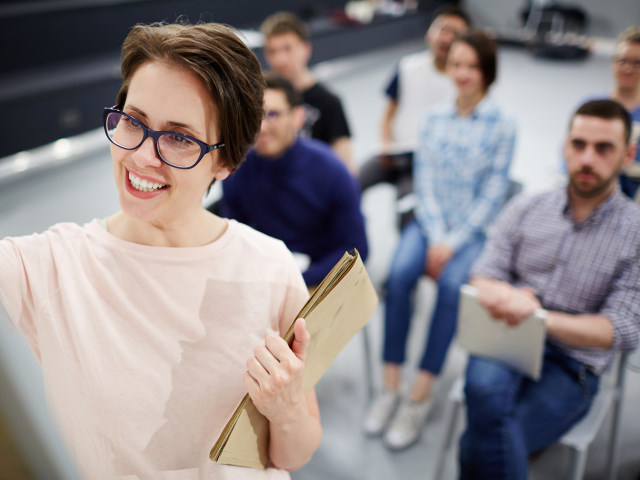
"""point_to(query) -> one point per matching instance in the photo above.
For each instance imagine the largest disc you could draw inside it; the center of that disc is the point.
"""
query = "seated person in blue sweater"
(296, 189)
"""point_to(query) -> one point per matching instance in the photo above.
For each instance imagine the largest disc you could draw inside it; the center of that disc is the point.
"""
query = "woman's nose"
(145, 155)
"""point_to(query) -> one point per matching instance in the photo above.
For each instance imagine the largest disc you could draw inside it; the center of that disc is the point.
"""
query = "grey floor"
(540, 93)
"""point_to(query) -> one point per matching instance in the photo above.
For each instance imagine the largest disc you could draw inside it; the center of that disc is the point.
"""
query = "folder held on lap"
(521, 347)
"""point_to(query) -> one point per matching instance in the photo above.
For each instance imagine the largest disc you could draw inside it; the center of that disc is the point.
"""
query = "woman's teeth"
(144, 185)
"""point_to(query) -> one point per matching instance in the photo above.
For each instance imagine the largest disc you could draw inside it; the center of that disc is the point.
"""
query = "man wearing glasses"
(287, 50)
(625, 67)
(296, 189)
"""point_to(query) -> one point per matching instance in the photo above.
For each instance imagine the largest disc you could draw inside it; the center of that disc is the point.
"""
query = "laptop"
(521, 347)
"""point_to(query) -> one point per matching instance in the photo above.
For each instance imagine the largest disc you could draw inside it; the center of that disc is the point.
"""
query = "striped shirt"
(461, 171)
(591, 267)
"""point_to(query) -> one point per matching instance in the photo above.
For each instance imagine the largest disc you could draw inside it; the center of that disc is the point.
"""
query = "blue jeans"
(406, 268)
(510, 416)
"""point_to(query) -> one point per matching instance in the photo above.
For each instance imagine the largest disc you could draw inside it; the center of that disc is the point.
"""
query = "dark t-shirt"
(325, 118)
(393, 87)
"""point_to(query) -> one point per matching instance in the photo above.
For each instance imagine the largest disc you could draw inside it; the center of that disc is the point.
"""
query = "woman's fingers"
(266, 358)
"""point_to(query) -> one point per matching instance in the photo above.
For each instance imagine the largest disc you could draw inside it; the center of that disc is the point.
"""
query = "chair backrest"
(616, 375)
(515, 188)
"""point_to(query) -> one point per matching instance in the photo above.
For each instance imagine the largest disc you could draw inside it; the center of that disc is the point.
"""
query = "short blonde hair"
(284, 22)
(629, 35)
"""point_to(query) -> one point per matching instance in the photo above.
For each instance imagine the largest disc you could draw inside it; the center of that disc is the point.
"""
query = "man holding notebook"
(574, 252)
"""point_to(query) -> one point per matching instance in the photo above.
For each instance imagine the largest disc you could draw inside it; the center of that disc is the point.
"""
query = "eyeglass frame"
(623, 62)
(155, 135)
(274, 115)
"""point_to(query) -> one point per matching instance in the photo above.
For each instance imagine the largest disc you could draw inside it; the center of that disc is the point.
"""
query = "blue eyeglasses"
(175, 149)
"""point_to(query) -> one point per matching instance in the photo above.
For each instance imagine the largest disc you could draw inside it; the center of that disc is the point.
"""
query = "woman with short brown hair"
(152, 324)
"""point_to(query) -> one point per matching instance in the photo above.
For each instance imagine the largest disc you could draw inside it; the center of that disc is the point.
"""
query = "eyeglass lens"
(174, 148)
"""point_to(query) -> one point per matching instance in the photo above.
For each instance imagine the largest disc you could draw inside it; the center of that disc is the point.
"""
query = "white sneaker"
(407, 424)
(380, 411)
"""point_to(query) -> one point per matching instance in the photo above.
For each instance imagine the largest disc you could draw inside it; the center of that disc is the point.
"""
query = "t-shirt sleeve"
(392, 90)
(337, 124)
(622, 305)
(23, 281)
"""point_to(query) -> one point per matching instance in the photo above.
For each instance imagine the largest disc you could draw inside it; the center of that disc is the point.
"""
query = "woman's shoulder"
(489, 107)
(63, 232)
(261, 254)
(501, 118)
(255, 243)
(443, 111)
(445, 107)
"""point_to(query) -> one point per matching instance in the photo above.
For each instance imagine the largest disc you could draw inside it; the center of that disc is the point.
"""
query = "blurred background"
(59, 66)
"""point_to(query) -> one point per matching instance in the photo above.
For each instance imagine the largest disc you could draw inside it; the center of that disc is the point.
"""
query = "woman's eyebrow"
(137, 110)
(171, 123)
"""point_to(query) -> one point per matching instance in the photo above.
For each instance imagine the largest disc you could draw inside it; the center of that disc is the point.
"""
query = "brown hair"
(226, 66)
(608, 110)
(452, 11)
(486, 48)
(276, 82)
(284, 22)
(630, 35)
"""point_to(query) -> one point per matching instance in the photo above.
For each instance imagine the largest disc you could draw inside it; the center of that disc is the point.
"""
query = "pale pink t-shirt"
(143, 348)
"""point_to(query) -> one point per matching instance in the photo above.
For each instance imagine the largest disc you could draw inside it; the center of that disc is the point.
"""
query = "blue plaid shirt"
(592, 267)
(461, 171)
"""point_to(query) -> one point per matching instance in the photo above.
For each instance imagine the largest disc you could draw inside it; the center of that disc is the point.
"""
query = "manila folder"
(341, 305)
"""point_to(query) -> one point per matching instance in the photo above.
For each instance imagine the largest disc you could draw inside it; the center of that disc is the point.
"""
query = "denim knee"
(400, 280)
(448, 291)
(489, 392)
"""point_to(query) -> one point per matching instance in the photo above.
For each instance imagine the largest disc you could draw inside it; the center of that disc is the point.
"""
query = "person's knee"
(488, 391)
(406, 267)
(485, 375)
(455, 275)
(401, 279)
(449, 288)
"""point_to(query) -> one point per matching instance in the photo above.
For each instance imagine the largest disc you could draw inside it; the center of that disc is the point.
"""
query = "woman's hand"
(437, 258)
(274, 376)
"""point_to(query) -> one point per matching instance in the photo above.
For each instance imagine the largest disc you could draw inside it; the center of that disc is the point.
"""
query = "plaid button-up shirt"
(591, 267)
(461, 171)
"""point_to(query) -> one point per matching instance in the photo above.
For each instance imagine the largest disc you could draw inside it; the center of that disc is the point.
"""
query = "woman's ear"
(220, 171)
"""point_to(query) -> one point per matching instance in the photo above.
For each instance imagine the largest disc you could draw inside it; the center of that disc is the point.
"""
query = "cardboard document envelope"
(341, 305)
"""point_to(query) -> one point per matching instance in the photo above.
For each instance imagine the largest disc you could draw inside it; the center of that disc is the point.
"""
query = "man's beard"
(598, 187)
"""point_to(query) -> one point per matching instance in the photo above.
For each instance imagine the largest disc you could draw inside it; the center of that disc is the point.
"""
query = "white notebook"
(521, 347)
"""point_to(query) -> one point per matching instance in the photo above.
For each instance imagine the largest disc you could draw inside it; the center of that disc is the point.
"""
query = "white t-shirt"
(143, 348)
(420, 87)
